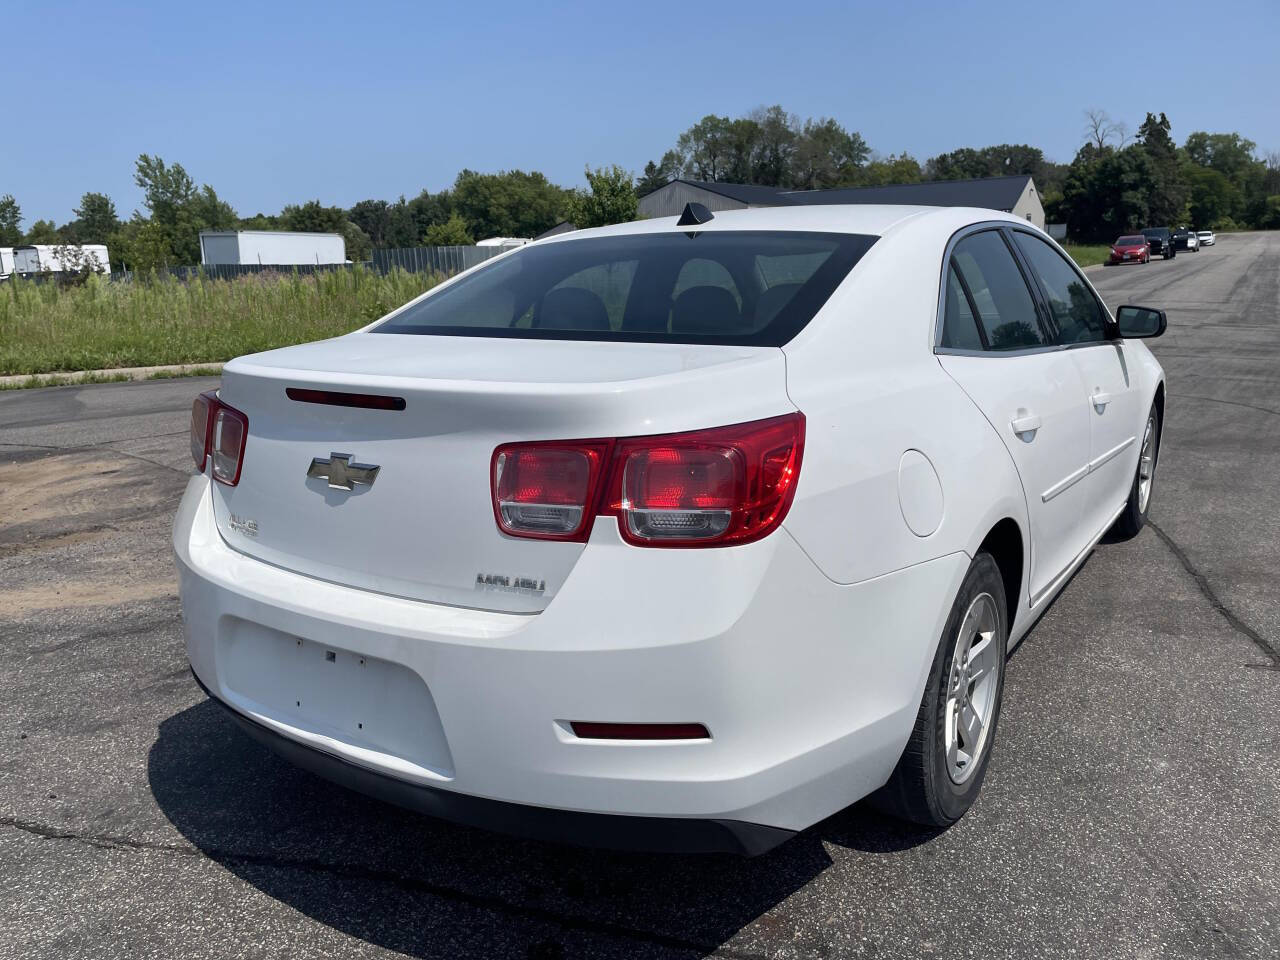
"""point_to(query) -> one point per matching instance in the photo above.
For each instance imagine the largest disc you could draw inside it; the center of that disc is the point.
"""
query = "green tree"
(179, 210)
(1107, 192)
(1270, 218)
(610, 199)
(313, 217)
(42, 231)
(374, 217)
(260, 221)
(141, 246)
(706, 149)
(358, 246)
(96, 218)
(902, 168)
(1214, 199)
(827, 155)
(450, 233)
(1167, 201)
(511, 203)
(774, 145)
(963, 164)
(10, 221)
(658, 174)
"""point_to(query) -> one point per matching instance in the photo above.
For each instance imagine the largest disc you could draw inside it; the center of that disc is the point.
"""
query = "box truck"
(270, 247)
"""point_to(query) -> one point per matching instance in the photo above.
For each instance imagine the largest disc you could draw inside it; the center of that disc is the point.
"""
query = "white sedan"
(1207, 238)
(678, 534)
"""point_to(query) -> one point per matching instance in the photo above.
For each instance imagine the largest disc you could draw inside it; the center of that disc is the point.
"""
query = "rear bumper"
(809, 688)
(615, 832)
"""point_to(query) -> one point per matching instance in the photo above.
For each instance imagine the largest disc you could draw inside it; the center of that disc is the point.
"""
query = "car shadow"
(428, 888)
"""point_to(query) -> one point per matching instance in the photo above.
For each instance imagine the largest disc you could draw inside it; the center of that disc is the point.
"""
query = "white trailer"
(61, 258)
(6, 262)
(275, 248)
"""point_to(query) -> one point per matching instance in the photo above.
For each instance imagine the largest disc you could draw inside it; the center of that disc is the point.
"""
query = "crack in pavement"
(1234, 403)
(103, 447)
(400, 880)
(1207, 591)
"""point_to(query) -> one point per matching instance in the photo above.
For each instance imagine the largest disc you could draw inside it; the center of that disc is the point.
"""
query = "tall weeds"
(161, 320)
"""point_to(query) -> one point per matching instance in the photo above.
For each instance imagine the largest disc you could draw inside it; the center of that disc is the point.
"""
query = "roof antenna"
(694, 214)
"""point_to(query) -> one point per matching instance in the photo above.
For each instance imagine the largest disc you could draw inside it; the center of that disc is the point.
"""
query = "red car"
(1130, 249)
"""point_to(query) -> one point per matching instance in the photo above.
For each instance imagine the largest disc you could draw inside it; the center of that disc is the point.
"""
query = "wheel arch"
(1006, 544)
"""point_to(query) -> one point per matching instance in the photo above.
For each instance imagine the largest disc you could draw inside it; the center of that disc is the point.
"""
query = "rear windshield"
(1131, 241)
(749, 288)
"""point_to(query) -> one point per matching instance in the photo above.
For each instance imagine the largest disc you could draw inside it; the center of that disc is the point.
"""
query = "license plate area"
(355, 699)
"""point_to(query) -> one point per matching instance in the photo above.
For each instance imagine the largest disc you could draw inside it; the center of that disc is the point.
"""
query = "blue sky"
(276, 103)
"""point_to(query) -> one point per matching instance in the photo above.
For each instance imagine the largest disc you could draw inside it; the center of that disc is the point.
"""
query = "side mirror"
(1140, 322)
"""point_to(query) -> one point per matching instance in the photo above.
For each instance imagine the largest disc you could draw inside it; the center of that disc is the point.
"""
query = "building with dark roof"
(1015, 194)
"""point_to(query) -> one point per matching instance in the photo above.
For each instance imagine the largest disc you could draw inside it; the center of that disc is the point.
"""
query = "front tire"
(1134, 516)
(942, 768)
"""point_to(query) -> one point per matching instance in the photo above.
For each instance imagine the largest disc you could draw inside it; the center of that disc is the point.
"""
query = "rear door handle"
(1100, 401)
(1025, 425)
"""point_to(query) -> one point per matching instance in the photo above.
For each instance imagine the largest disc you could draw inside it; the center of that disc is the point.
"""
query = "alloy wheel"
(971, 688)
(1147, 464)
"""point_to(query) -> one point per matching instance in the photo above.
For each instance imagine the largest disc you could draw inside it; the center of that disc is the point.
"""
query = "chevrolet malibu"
(677, 535)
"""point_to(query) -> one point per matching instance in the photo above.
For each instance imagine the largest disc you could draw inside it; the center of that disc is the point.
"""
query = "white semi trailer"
(6, 262)
(60, 258)
(270, 247)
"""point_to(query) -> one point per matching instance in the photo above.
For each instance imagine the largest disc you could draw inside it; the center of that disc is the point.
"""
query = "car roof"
(860, 218)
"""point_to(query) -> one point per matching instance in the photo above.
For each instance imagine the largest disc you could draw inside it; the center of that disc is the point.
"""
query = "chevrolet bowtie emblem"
(341, 473)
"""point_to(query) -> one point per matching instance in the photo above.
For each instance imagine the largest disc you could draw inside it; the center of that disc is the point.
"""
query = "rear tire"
(1134, 516)
(942, 768)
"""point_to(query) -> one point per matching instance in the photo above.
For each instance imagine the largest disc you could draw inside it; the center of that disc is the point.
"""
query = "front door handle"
(1100, 400)
(1025, 425)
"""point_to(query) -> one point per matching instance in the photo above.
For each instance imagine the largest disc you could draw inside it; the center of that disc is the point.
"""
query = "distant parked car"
(1160, 240)
(1132, 248)
(1184, 238)
(1206, 238)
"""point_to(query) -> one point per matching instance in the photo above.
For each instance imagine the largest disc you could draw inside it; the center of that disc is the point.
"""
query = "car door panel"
(1029, 391)
(1051, 459)
(1077, 321)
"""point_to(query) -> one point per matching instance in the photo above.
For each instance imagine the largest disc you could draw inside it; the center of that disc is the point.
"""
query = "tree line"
(1114, 184)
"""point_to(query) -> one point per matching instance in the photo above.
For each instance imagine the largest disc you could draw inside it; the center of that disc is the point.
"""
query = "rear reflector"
(334, 398)
(640, 731)
(220, 431)
(716, 487)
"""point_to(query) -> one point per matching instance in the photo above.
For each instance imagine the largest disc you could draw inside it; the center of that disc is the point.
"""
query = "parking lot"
(1130, 810)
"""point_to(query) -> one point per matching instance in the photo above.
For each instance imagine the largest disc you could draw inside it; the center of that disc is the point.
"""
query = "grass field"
(164, 321)
(1087, 254)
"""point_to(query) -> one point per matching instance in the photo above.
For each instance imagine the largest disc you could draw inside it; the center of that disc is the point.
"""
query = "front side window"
(1076, 314)
(997, 292)
(749, 288)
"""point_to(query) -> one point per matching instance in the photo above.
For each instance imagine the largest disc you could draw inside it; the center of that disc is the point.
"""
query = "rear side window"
(1075, 312)
(997, 292)
(959, 326)
(749, 288)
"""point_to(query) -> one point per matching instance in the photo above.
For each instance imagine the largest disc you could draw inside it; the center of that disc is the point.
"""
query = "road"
(1130, 810)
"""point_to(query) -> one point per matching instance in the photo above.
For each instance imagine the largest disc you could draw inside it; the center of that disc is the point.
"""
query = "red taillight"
(218, 430)
(715, 487)
(201, 421)
(546, 490)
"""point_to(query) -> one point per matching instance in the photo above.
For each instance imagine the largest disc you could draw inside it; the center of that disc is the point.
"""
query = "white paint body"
(57, 258)
(6, 262)
(270, 247)
(805, 653)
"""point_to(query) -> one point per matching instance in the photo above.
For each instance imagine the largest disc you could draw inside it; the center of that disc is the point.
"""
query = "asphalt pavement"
(1130, 810)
